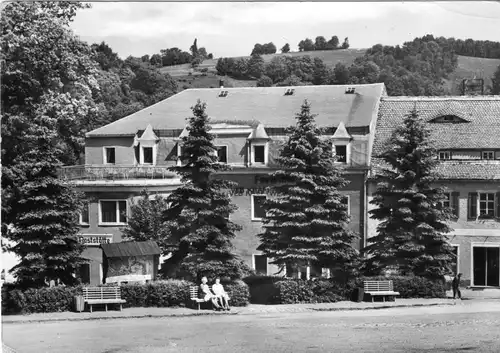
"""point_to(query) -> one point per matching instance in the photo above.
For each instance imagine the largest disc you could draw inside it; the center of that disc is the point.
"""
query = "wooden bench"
(379, 288)
(193, 292)
(102, 295)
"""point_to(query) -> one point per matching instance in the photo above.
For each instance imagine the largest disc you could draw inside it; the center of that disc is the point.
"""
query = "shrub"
(157, 294)
(40, 300)
(238, 292)
(328, 291)
(293, 292)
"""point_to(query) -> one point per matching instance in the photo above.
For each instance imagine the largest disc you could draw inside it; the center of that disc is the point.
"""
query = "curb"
(112, 317)
(384, 307)
(217, 313)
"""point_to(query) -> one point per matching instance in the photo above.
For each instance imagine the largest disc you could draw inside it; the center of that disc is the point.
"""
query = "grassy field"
(468, 67)
(211, 80)
(471, 67)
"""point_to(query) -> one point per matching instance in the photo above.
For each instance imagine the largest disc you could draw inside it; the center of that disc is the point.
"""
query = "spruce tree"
(201, 234)
(45, 223)
(411, 236)
(306, 221)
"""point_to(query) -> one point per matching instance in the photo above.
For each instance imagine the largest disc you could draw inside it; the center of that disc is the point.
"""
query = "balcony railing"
(104, 172)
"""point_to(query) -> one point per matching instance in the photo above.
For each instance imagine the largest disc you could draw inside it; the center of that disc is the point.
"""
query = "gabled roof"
(259, 133)
(148, 134)
(341, 132)
(126, 249)
(268, 104)
(481, 131)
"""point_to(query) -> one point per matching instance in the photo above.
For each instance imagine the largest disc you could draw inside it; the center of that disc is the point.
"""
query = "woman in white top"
(207, 294)
(221, 294)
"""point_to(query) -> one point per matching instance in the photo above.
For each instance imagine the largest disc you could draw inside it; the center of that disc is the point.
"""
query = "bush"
(238, 292)
(329, 291)
(157, 294)
(41, 300)
(293, 292)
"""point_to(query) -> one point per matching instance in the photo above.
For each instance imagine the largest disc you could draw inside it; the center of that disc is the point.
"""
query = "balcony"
(105, 172)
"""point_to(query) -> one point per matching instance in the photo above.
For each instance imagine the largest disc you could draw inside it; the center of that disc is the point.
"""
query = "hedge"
(43, 300)
(279, 290)
(238, 292)
(164, 293)
(167, 293)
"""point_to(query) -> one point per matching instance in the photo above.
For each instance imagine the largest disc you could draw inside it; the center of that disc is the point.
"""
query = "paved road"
(473, 327)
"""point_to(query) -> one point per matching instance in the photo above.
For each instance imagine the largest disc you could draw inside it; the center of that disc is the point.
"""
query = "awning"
(132, 248)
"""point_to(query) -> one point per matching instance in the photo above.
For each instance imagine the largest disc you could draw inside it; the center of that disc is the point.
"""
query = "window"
(259, 154)
(222, 153)
(258, 210)
(109, 155)
(482, 205)
(345, 200)
(444, 155)
(84, 215)
(113, 212)
(147, 155)
(260, 264)
(487, 205)
(447, 200)
(488, 155)
(341, 153)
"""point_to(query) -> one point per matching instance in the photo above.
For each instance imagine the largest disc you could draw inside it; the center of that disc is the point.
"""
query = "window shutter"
(455, 203)
(472, 204)
(498, 204)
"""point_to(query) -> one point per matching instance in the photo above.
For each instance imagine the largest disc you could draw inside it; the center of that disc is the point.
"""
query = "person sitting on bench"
(221, 294)
(208, 295)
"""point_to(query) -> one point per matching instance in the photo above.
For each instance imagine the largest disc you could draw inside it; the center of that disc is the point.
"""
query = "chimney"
(221, 83)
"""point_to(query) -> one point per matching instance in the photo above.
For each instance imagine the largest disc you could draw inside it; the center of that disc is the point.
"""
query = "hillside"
(468, 67)
(472, 67)
(329, 57)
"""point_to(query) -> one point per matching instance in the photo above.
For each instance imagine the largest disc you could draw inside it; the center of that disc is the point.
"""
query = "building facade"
(466, 132)
(134, 153)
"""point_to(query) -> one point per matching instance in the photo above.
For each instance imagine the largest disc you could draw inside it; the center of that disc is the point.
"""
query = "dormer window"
(448, 119)
(259, 154)
(444, 155)
(488, 155)
(341, 153)
(147, 155)
(147, 144)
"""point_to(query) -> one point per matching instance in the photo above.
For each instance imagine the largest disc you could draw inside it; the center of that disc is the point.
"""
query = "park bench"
(379, 288)
(102, 295)
(193, 292)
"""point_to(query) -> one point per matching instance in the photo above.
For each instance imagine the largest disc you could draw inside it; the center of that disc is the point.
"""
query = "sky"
(232, 28)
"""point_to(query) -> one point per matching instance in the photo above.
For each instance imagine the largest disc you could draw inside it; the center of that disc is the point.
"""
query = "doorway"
(486, 266)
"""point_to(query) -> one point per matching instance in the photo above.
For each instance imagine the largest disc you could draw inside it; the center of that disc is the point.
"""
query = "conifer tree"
(200, 231)
(411, 236)
(45, 225)
(306, 222)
